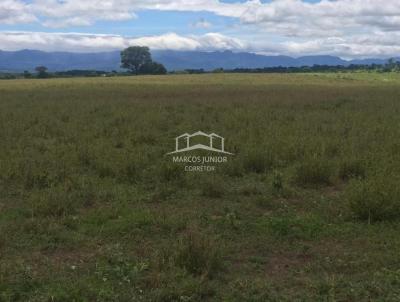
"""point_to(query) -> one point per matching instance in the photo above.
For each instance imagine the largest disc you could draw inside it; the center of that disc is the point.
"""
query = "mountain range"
(18, 61)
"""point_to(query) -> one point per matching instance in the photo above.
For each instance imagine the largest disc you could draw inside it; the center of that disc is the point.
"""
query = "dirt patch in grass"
(283, 263)
(60, 260)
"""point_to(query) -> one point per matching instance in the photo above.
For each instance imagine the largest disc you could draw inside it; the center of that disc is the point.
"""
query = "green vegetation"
(308, 208)
(41, 72)
(138, 60)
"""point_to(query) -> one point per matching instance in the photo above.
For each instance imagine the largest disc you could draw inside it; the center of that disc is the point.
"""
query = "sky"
(345, 28)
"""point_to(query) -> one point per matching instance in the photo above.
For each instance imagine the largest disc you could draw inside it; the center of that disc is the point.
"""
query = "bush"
(352, 169)
(257, 162)
(55, 202)
(212, 187)
(131, 173)
(374, 199)
(251, 189)
(169, 172)
(293, 227)
(315, 172)
(162, 192)
(277, 182)
(198, 254)
(234, 168)
(153, 68)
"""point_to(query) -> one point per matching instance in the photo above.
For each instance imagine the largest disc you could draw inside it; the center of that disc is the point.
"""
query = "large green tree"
(138, 60)
(133, 58)
(42, 72)
(153, 68)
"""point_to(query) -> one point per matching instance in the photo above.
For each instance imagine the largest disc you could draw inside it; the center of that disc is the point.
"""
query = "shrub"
(198, 254)
(266, 202)
(374, 199)
(277, 182)
(212, 187)
(315, 172)
(104, 170)
(162, 192)
(131, 173)
(234, 168)
(294, 227)
(170, 172)
(54, 202)
(351, 169)
(39, 175)
(249, 189)
(257, 162)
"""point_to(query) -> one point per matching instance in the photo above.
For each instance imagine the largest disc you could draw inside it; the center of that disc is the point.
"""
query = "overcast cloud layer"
(348, 28)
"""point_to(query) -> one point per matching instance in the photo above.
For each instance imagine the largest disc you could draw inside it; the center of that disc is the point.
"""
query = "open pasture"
(307, 208)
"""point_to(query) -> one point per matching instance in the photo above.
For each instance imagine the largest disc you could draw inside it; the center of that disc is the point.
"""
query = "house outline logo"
(186, 137)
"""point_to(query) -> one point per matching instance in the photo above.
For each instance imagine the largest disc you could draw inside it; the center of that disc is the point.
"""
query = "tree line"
(391, 66)
(137, 60)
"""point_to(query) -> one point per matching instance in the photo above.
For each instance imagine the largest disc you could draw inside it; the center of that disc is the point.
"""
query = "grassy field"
(308, 208)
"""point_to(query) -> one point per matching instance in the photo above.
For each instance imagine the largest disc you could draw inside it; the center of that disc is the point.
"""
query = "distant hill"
(18, 61)
(58, 61)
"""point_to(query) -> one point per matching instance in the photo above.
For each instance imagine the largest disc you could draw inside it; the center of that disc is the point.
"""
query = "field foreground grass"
(308, 208)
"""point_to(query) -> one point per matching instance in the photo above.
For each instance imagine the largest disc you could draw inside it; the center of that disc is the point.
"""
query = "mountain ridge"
(27, 59)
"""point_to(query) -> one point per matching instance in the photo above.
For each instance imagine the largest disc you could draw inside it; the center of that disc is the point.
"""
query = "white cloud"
(75, 21)
(15, 12)
(342, 27)
(340, 18)
(215, 41)
(201, 24)
(97, 43)
(168, 41)
(210, 41)
(363, 46)
(288, 17)
(68, 13)
(380, 44)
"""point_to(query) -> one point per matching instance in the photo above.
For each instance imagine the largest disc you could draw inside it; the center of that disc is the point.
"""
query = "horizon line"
(212, 51)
